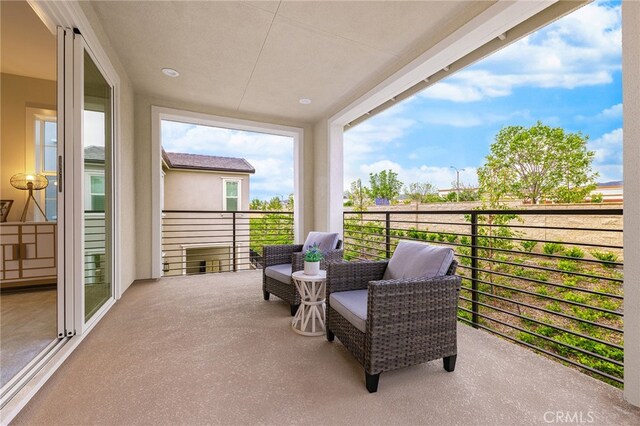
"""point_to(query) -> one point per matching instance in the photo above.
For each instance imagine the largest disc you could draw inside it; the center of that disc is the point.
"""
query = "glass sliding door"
(97, 186)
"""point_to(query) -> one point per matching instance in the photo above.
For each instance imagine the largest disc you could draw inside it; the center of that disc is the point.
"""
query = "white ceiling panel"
(262, 57)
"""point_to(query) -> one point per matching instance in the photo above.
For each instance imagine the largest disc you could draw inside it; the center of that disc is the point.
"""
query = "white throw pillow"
(414, 260)
(326, 240)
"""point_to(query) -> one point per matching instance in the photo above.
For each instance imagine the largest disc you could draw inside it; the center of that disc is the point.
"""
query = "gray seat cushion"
(326, 240)
(352, 305)
(414, 260)
(281, 272)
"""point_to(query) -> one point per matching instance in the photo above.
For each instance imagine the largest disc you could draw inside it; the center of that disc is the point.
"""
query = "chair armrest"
(279, 254)
(407, 300)
(297, 259)
(344, 276)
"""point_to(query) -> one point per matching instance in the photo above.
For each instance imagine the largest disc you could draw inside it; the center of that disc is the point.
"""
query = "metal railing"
(548, 279)
(198, 242)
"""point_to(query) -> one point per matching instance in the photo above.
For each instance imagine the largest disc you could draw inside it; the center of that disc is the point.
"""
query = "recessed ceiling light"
(305, 101)
(170, 72)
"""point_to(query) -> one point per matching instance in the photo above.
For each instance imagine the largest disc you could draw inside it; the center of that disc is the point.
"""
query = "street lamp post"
(457, 182)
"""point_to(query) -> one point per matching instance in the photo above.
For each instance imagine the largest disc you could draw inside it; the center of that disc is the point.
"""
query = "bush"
(528, 246)
(552, 248)
(568, 265)
(451, 238)
(605, 256)
(575, 252)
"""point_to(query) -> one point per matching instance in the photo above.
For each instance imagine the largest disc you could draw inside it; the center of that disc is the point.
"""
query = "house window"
(96, 189)
(45, 156)
(231, 200)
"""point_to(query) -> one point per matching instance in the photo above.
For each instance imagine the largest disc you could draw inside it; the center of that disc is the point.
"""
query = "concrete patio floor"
(208, 349)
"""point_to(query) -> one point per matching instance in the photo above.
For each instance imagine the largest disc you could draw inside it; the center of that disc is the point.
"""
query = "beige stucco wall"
(125, 162)
(143, 176)
(198, 190)
(631, 144)
(17, 94)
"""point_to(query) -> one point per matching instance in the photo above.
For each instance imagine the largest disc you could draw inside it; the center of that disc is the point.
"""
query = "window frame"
(224, 193)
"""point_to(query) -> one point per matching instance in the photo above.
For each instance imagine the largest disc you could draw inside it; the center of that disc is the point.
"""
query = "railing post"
(233, 247)
(387, 234)
(474, 269)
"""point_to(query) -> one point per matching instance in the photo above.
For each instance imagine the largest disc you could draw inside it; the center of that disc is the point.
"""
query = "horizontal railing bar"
(530, 293)
(539, 349)
(575, 348)
(261, 212)
(541, 309)
(546, 212)
(363, 222)
(493, 237)
(564, 330)
(518, 252)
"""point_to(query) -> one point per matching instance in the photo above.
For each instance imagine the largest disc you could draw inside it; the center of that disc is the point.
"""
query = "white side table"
(309, 320)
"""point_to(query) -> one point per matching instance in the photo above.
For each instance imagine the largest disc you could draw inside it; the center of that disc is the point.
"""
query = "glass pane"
(232, 189)
(97, 184)
(97, 163)
(50, 137)
(51, 198)
(232, 204)
(97, 203)
(50, 158)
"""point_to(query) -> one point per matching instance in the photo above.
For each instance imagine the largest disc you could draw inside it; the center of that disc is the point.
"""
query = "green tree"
(464, 193)
(359, 196)
(385, 184)
(421, 192)
(274, 204)
(541, 163)
(256, 204)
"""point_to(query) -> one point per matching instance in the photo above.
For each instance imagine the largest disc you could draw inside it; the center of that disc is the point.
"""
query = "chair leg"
(372, 381)
(266, 294)
(294, 309)
(330, 335)
(449, 363)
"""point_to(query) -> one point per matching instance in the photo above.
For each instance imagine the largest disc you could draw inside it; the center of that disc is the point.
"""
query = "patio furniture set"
(389, 314)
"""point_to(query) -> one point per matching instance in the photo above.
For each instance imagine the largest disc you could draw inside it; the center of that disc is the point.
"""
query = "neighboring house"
(612, 192)
(210, 185)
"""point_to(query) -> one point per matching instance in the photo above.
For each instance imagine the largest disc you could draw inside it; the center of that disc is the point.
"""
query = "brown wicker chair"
(408, 321)
(293, 255)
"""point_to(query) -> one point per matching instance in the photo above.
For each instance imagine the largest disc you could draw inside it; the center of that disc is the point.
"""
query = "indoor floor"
(28, 326)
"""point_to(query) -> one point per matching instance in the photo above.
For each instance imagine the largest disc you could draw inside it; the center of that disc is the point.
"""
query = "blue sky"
(566, 75)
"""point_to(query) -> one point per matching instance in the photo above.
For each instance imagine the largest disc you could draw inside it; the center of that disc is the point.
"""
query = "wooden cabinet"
(28, 254)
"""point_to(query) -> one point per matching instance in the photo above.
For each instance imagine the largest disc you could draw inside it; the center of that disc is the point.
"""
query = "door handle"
(60, 164)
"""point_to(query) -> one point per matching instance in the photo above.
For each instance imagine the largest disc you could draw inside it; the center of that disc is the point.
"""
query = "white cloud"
(607, 148)
(375, 135)
(440, 177)
(581, 49)
(455, 118)
(270, 155)
(612, 112)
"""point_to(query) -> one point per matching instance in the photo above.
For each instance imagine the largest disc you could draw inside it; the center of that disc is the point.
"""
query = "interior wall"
(143, 176)
(17, 94)
(125, 163)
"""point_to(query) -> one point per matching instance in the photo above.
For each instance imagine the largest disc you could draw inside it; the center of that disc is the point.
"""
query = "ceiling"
(262, 57)
(28, 48)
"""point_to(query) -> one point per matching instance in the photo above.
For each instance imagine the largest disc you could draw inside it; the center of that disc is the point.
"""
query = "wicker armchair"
(285, 255)
(408, 321)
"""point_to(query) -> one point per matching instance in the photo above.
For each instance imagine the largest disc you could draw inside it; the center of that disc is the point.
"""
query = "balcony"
(207, 349)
